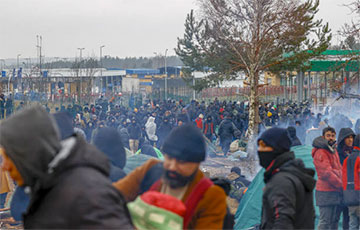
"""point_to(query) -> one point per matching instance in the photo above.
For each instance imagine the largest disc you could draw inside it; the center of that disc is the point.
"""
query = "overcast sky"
(125, 27)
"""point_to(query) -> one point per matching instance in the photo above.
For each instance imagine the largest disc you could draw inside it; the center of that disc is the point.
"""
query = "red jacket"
(199, 123)
(328, 167)
(351, 170)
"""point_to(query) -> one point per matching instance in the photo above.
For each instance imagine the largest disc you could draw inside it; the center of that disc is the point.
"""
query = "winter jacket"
(210, 211)
(288, 196)
(351, 178)
(134, 131)
(226, 129)
(78, 195)
(199, 123)
(68, 181)
(209, 128)
(329, 171)
(150, 128)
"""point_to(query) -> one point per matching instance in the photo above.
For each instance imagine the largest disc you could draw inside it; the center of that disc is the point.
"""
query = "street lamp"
(18, 60)
(80, 49)
(165, 76)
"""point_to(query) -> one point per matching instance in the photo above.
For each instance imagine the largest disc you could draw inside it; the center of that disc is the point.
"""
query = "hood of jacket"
(297, 168)
(108, 140)
(31, 139)
(344, 133)
(150, 122)
(80, 154)
(322, 143)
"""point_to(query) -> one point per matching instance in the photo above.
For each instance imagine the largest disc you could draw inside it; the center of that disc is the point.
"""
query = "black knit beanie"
(277, 138)
(185, 143)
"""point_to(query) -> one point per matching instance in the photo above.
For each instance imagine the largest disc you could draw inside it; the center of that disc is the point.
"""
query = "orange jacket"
(210, 211)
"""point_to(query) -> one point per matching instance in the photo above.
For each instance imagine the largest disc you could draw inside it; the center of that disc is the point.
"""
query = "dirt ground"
(221, 166)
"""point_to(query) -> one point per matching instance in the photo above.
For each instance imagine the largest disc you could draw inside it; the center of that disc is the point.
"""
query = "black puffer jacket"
(134, 131)
(288, 197)
(226, 129)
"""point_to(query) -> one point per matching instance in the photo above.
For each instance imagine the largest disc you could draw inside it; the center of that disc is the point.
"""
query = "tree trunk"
(253, 112)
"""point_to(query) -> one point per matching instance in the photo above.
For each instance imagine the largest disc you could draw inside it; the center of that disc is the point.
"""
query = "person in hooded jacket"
(20, 199)
(134, 131)
(351, 184)
(346, 141)
(209, 128)
(150, 128)
(345, 148)
(163, 131)
(288, 194)
(226, 133)
(124, 134)
(328, 193)
(67, 181)
(108, 141)
(293, 137)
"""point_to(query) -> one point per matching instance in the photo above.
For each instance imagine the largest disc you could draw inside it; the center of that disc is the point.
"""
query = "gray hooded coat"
(68, 180)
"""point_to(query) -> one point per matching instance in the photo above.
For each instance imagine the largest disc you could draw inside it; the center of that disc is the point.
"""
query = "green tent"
(249, 210)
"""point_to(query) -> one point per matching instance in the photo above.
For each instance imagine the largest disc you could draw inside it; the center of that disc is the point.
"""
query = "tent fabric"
(249, 211)
(135, 161)
(158, 153)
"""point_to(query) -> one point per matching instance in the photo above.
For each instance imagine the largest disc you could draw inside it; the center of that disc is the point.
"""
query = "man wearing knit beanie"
(179, 176)
(288, 193)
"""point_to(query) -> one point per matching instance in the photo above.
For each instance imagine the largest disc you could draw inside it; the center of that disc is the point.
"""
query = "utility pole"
(101, 67)
(80, 49)
(18, 66)
(166, 75)
(39, 49)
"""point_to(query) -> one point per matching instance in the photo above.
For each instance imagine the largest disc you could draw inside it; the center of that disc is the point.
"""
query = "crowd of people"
(71, 165)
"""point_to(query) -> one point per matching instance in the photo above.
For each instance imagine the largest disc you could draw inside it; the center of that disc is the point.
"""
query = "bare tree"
(252, 36)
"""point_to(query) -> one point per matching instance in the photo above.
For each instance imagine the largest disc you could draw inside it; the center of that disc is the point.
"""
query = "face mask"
(175, 180)
(266, 158)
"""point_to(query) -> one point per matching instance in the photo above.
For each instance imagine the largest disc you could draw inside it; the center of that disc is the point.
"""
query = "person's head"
(108, 141)
(183, 150)
(271, 144)
(346, 137)
(329, 134)
(63, 121)
(29, 141)
(236, 170)
(292, 131)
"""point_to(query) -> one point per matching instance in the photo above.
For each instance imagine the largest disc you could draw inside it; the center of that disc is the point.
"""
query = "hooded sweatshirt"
(31, 140)
(343, 150)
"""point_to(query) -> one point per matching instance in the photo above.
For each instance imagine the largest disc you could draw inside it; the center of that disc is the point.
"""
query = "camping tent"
(249, 211)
